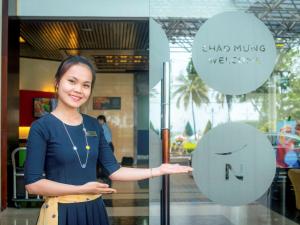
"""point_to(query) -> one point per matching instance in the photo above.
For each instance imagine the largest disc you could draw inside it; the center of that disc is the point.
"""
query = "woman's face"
(74, 87)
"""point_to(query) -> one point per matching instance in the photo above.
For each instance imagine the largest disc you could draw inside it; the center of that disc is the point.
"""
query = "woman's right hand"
(96, 188)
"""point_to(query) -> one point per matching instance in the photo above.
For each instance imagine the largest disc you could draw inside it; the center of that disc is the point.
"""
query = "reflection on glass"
(155, 108)
(155, 156)
(275, 101)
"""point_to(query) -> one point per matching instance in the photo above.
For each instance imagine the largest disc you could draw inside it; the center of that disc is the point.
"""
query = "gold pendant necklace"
(87, 147)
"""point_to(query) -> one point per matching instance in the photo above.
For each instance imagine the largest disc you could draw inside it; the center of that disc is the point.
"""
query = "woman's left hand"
(171, 169)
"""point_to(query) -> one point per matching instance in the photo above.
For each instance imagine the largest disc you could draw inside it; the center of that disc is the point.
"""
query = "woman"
(67, 146)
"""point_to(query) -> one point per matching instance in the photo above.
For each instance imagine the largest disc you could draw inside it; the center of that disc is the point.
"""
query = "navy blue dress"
(50, 151)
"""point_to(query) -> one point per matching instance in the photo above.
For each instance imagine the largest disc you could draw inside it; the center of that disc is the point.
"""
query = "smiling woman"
(74, 80)
(74, 88)
(67, 146)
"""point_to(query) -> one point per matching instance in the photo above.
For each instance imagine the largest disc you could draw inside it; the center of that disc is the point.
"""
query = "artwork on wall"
(106, 103)
(43, 106)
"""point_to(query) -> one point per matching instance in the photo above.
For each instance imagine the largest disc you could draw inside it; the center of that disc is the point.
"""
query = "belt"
(49, 210)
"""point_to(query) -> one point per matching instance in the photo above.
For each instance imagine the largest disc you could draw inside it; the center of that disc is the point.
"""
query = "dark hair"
(101, 117)
(66, 64)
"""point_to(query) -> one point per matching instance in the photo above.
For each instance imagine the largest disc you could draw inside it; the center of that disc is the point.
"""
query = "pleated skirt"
(84, 213)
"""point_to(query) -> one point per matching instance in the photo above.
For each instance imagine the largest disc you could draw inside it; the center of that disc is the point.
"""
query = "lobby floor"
(130, 206)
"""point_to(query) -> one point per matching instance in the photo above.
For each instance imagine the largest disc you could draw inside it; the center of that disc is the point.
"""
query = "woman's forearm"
(46, 187)
(132, 174)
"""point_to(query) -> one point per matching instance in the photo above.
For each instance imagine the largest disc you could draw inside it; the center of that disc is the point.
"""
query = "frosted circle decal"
(234, 53)
(234, 164)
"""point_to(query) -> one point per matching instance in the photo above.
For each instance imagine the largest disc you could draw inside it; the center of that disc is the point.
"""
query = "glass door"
(253, 183)
(159, 55)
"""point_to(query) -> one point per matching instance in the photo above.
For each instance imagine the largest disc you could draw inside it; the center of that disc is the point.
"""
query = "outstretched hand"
(97, 188)
(166, 168)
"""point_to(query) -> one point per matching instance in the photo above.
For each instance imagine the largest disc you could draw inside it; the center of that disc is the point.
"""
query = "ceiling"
(113, 46)
(282, 17)
(123, 45)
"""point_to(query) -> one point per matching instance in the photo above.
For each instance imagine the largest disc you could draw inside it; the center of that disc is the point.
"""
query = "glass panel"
(155, 153)
(272, 109)
(159, 53)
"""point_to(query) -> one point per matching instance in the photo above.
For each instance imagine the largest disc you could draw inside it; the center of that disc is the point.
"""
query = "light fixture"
(48, 88)
(23, 132)
(73, 52)
(21, 40)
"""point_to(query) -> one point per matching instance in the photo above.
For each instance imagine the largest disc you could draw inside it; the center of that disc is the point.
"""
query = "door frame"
(4, 122)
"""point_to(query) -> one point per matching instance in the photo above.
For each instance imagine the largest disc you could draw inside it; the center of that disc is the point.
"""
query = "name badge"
(91, 133)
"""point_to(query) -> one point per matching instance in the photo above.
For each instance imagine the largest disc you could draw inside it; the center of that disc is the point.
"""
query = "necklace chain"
(87, 147)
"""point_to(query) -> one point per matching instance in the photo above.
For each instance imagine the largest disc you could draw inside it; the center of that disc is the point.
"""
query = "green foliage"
(207, 127)
(221, 98)
(290, 102)
(188, 130)
(287, 60)
(189, 146)
(190, 90)
(285, 83)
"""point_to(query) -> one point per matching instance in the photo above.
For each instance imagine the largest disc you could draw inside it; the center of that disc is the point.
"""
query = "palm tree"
(190, 90)
(222, 98)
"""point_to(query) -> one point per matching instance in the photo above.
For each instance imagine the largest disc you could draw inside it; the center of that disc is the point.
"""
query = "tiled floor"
(183, 213)
(130, 206)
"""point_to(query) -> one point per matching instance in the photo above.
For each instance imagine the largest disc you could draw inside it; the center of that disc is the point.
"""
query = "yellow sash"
(49, 210)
